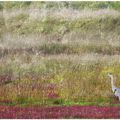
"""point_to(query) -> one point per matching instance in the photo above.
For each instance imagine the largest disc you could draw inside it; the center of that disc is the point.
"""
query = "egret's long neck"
(112, 81)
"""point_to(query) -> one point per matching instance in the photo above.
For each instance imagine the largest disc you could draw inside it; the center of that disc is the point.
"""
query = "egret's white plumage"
(115, 89)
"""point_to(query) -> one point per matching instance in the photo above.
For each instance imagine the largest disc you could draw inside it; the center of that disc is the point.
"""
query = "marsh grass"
(51, 54)
(73, 81)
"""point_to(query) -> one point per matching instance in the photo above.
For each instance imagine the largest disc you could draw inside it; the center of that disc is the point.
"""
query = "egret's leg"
(119, 98)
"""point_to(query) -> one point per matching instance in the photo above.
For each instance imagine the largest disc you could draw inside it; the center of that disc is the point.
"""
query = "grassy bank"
(22, 25)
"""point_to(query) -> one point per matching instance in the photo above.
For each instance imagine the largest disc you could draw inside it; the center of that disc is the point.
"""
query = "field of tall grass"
(51, 56)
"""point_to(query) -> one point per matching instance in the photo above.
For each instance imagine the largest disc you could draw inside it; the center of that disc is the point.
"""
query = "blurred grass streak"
(50, 25)
(55, 5)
